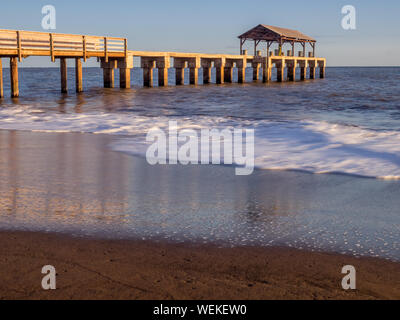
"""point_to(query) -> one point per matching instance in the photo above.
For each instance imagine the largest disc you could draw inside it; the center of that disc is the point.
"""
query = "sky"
(213, 26)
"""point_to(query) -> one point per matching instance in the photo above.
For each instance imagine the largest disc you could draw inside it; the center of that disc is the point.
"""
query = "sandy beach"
(110, 238)
(107, 269)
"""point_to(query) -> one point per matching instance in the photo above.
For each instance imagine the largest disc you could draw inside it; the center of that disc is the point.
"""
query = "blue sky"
(213, 26)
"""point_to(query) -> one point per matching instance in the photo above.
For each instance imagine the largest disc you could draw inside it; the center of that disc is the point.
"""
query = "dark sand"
(110, 269)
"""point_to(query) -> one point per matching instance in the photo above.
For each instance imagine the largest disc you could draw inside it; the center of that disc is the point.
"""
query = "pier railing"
(31, 43)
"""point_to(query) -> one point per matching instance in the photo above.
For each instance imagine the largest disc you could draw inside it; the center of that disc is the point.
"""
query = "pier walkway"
(113, 53)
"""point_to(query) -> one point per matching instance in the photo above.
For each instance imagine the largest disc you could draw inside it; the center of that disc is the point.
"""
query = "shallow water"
(74, 183)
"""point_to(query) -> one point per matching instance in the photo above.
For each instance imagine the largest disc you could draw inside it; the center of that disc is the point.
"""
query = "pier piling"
(163, 65)
(78, 75)
(219, 69)
(241, 67)
(108, 72)
(148, 65)
(194, 65)
(125, 66)
(124, 78)
(291, 70)
(280, 70)
(63, 73)
(256, 70)
(207, 67)
(266, 65)
(179, 66)
(14, 77)
(312, 69)
(228, 72)
(321, 69)
(303, 70)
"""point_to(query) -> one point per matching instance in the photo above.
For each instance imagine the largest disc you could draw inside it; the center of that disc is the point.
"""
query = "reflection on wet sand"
(58, 178)
(73, 182)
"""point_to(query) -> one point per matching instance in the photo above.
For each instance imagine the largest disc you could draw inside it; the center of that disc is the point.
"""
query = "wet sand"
(74, 184)
(119, 269)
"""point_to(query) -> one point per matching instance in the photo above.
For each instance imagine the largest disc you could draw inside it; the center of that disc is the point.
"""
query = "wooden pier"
(113, 53)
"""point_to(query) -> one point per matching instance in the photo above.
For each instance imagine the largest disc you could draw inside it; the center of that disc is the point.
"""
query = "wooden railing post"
(84, 48)
(19, 48)
(52, 48)
(126, 48)
(1, 80)
(105, 50)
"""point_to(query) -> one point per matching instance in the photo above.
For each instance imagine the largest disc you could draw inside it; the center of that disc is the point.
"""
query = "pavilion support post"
(148, 66)
(291, 68)
(220, 68)
(163, 64)
(78, 75)
(280, 68)
(63, 72)
(194, 65)
(266, 65)
(1, 80)
(256, 70)
(108, 72)
(241, 66)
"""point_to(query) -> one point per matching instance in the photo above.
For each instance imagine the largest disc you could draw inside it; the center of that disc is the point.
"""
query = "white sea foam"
(313, 146)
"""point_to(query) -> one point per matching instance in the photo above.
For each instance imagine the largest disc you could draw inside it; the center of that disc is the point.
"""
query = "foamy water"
(313, 146)
(331, 125)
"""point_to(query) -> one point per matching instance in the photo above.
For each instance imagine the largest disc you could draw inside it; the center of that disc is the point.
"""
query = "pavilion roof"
(272, 33)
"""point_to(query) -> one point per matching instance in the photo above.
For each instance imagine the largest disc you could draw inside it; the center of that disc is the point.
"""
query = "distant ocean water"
(346, 123)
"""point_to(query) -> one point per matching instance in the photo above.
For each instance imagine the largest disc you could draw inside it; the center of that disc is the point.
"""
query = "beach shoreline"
(94, 268)
(83, 205)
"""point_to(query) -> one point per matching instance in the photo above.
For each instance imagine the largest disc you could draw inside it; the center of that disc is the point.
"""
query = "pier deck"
(113, 54)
